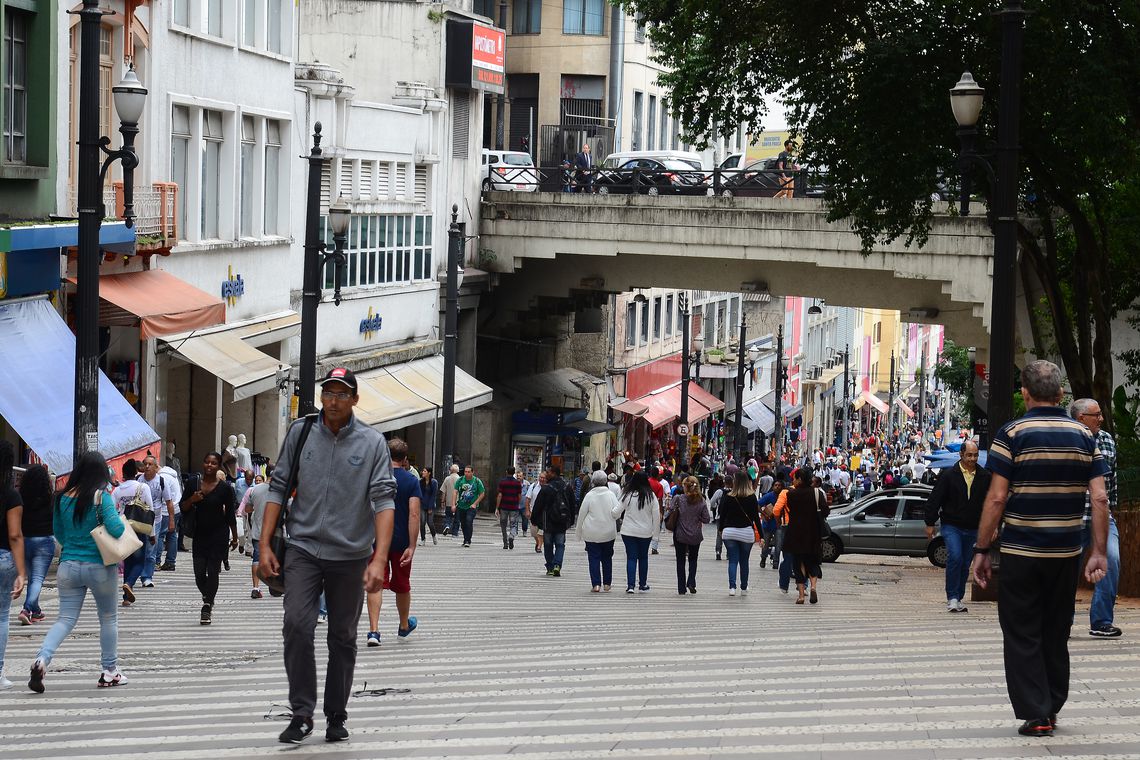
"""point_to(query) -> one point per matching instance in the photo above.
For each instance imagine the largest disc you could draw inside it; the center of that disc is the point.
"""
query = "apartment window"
(182, 12)
(248, 142)
(651, 123)
(877, 333)
(630, 325)
(583, 16)
(722, 324)
(645, 321)
(212, 140)
(638, 29)
(275, 18)
(669, 315)
(635, 138)
(384, 249)
(733, 315)
(485, 8)
(15, 105)
(664, 126)
(710, 325)
(180, 157)
(214, 17)
(272, 175)
(875, 372)
(527, 17)
(676, 141)
(657, 318)
(249, 23)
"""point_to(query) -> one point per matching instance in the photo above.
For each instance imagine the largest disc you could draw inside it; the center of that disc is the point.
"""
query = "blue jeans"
(74, 580)
(738, 553)
(553, 549)
(1104, 593)
(467, 522)
(959, 556)
(784, 558)
(600, 558)
(170, 539)
(452, 522)
(153, 552)
(133, 565)
(7, 578)
(636, 560)
(38, 553)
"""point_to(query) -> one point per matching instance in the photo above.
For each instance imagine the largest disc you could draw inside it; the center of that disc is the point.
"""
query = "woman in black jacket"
(802, 538)
(214, 511)
(738, 518)
(36, 492)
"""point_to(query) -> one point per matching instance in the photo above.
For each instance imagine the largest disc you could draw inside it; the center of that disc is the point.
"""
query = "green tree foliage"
(865, 84)
(954, 369)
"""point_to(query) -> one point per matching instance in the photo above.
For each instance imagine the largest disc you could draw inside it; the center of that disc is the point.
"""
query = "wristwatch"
(981, 549)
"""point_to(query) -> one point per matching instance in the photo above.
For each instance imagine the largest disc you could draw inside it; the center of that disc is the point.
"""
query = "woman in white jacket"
(597, 526)
(642, 518)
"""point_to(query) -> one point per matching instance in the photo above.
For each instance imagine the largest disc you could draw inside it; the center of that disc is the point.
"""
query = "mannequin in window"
(244, 461)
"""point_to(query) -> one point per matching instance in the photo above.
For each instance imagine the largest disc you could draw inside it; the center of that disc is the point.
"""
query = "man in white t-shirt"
(163, 499)
(173, 537)
(447, 489)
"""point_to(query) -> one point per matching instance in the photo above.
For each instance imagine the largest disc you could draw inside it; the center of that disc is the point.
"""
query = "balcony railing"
(156, 212)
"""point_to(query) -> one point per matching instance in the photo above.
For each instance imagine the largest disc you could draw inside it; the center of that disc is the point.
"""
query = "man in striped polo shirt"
(1042, 464)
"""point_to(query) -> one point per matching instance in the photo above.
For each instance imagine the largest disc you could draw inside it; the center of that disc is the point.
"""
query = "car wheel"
(603, 190)
(725, 193)
(830, 548)
(653, 190)
(936, 552)
(486, 185)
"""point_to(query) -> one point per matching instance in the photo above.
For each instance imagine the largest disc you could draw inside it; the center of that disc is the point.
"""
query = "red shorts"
(396, 577)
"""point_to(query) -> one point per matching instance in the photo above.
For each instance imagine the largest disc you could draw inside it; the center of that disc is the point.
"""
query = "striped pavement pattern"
(508, 662)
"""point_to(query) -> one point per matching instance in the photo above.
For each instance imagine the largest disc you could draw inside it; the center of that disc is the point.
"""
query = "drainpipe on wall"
(617, 65)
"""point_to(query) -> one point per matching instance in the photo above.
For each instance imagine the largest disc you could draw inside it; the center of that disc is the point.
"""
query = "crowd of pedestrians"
(352, 508)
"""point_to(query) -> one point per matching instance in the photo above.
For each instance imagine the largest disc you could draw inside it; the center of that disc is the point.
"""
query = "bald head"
(969, 456)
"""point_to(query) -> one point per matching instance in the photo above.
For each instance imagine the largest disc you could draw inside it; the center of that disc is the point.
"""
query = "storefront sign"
(476, 56)
(371, 324)
(233, 288)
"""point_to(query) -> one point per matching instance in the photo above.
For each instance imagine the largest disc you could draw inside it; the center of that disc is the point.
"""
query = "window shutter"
(326, 186)
(366, 171)
(401, 180)
(384, 179)
(422, 185)
(460, 125)
(346, 178)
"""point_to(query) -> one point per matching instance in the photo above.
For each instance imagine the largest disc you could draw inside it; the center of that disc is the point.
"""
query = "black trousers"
(685, 580)
(208, 556)
(1035, 609)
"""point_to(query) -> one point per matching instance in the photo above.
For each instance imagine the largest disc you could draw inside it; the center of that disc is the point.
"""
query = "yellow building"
(882, 334)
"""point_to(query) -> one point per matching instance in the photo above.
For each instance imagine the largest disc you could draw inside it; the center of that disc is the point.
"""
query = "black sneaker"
(336, 732)
(206, 618)
(1039, 727)
(36, 681)
(1106, 632)
(225, 564)
(298, 730)
(556, 572)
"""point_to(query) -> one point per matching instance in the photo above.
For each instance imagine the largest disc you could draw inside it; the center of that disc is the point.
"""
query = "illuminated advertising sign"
(476, 56)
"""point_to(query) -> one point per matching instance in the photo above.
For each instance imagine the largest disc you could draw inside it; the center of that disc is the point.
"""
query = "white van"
(509, 170)
(615, 160)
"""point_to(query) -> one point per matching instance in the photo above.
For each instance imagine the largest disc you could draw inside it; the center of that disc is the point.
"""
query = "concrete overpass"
(561, 244)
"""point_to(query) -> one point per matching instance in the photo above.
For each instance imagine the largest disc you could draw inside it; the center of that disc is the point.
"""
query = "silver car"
(891, 521)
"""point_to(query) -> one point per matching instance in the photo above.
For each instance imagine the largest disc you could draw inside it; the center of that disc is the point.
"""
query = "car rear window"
(517, 160)
(679, 165)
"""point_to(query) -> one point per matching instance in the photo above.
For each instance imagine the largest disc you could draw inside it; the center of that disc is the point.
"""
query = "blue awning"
(37, 388)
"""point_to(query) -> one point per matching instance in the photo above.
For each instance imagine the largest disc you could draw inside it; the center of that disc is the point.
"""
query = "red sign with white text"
(488, 48)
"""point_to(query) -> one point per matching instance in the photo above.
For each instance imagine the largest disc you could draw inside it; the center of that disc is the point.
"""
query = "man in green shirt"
(469, 492)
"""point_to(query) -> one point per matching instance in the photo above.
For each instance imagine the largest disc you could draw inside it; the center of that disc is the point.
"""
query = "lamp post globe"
(130, 97)
(698, 344)
(339, 215)
(753, 354)
(966, 100)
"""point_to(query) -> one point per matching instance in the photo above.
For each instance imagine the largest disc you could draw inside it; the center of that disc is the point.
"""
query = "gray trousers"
(306, 577)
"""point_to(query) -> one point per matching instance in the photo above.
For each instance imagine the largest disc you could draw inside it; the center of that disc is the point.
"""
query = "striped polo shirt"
(1048, 459)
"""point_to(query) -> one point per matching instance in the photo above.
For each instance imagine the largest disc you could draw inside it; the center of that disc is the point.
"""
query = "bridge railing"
(727, 183)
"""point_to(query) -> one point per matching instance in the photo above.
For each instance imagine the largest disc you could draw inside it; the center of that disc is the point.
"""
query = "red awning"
(629, 406)
(664, 405)
(160, 303)
(905, 408)
(875, 402)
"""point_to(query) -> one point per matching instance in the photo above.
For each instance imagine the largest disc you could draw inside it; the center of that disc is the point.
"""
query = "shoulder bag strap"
(295, 463)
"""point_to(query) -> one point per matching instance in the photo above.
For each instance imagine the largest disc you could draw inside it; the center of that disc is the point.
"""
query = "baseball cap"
(340, 375)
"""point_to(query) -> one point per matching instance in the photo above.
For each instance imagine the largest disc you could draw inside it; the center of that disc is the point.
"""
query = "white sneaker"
(952, 606)
(743, 591)
(5, 683)
(111, 678)
(962, 607)
(732, 592)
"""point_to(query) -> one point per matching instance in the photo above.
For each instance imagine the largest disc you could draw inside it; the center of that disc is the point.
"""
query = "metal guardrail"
(156, 207)
(727, 183)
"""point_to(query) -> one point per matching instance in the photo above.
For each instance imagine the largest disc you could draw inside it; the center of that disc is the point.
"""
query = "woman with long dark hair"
(214, 506)
(689, 532)
(84, 503)
(642, 518)
(802, 540)
(36, 492)
(738, 516)
(11, 548)
(430, 488)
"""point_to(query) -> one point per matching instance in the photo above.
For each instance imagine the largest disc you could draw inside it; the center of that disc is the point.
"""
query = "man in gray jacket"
(343, 503)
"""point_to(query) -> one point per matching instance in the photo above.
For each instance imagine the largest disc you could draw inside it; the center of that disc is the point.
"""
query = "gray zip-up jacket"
(344, 481)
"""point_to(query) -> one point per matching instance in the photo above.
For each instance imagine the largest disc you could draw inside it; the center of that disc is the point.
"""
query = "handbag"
(755, 527)
(672, 519)
(277, 541)
(824, 528)
(138, 514)
(112, 550)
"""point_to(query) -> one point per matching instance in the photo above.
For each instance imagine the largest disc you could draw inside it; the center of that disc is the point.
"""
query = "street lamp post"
(846, 398)
(129, 97)
(966, 103)
(687, 358)
(501, 105)
(455, 241)
(778, 433)
(316, 257)
(741, 438)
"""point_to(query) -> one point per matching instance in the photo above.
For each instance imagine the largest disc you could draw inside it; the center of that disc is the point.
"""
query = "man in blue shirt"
(1042, 465)
(398, 568)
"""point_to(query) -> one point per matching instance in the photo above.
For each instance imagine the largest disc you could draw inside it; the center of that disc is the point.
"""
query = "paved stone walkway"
(508, 662)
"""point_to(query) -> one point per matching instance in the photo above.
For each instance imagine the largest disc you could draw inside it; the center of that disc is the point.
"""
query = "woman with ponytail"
(692, 515)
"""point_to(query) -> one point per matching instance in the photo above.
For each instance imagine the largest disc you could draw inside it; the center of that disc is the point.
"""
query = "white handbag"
(113, 550)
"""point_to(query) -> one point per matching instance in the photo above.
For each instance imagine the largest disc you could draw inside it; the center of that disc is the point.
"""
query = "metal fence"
(563, 176)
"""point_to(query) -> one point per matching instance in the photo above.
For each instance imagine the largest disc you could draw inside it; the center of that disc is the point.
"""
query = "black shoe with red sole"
(1040, 727)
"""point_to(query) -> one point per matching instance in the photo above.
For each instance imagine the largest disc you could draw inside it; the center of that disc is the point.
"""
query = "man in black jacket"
(553, 511)
(957, 499)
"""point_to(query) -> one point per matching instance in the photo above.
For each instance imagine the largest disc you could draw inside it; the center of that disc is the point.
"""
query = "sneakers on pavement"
(5, 684)
(952, 605)
(207, 615)
(128, 594)
(629, 590)
(1039, 727)
(743, 591)
(434, 541)
(25, 617)
(110, 678)
(38, 617)
(255, 594)
(147, 583)
(962, 607)
(373, 638)
(732, 592)
(643, 589)
(556, 572)
(1106, 632)
(336, 732)
(36, 680)
(298, 730)
(404, 633)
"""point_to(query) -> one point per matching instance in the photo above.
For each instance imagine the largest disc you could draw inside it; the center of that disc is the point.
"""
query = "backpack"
(138, 514)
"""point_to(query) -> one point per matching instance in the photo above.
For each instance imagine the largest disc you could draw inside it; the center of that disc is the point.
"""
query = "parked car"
(509, 170)
(760, 179)
(892, 521)
(652, 177)
(616, 160)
